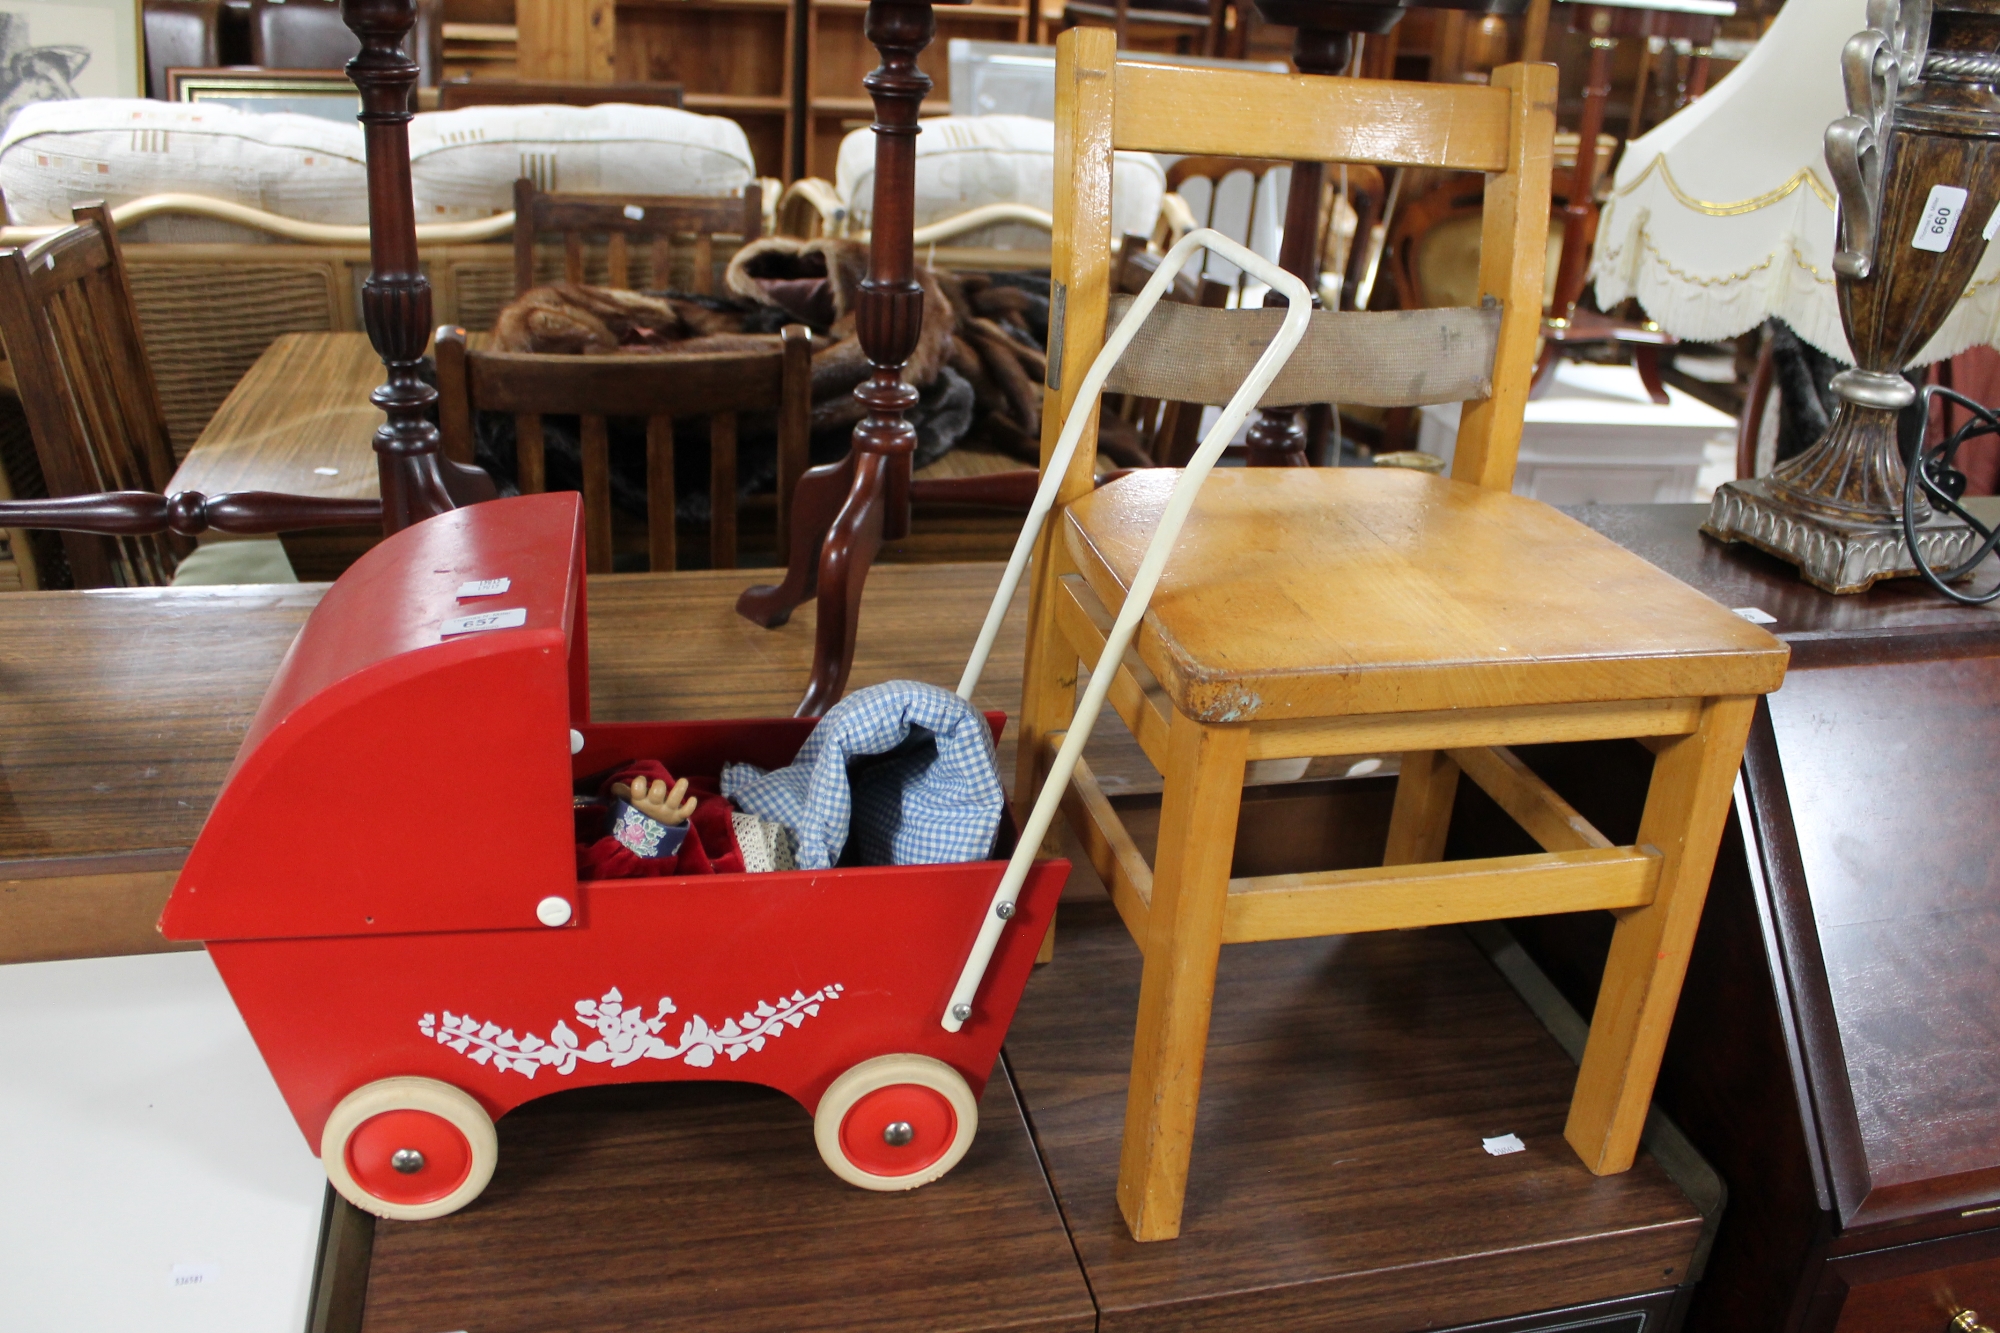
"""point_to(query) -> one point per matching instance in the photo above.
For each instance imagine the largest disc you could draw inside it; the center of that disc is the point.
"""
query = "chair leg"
(1686, 805)
(1048, 691)
(1422, 813)
(1190, 897)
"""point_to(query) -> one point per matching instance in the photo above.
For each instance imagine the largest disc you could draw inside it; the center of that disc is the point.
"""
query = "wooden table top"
(123, 709)
(300, 410)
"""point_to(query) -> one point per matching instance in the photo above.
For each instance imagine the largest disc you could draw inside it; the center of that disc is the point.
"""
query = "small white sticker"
(182, 1276)
(1992, 224)
(1503, 1144)
(512, 618)
(326, 472)
(1940, 220)
(483, 588)
(1756, 615)
(634, 212)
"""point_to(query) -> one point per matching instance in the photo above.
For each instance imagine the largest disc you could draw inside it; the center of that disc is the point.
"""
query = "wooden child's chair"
(1334, 611)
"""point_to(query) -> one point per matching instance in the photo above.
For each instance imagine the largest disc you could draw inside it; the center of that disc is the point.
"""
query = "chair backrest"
(310, 34)
(454, 94)
(183, 34)
(657, 223)
(657, 388)
(85, 385)
(1243, 198)
(1393, 359)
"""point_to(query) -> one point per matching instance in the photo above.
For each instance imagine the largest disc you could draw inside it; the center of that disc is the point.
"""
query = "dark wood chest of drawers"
(1836, 1055)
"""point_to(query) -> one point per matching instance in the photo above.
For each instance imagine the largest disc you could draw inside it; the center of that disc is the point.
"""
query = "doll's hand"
(653, 800)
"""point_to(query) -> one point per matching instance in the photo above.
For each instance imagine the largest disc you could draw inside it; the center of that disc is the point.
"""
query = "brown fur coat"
(983, 330)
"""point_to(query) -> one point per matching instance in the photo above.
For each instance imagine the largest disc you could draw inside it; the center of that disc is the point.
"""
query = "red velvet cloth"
(709, 849)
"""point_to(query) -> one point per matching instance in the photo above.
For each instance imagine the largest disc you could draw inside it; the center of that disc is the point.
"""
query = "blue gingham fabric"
(905, 770)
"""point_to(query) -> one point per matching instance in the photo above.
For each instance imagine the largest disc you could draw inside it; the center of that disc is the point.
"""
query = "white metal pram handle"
(1293, 328)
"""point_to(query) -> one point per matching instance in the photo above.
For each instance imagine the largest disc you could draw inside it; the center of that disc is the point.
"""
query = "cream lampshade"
(1724, 214)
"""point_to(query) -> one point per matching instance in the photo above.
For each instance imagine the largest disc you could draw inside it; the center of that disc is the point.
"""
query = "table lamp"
(1845, 183)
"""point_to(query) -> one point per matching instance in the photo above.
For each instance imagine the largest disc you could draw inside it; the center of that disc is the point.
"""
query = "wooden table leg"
(1190, 897)
(1686, 805)
(889, 313)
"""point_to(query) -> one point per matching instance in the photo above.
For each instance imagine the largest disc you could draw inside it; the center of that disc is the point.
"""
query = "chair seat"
(1298, 593)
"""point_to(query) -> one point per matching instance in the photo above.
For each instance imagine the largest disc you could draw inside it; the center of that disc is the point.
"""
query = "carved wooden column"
(888, 318)
(417, 482)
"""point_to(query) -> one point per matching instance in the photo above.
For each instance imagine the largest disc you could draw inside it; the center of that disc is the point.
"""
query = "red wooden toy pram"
(388, 886)
(387, 882)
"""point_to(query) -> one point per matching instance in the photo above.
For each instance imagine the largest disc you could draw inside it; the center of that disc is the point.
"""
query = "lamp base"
(1837, 555)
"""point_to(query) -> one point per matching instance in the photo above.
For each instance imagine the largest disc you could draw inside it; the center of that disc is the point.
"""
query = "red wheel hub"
(898, 1130)
(408, 1157)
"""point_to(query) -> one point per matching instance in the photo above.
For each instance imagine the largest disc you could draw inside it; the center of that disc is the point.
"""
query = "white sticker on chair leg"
(1503, 1144)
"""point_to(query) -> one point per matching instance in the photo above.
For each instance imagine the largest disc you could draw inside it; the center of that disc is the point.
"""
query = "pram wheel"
(409, 1148)
(895, 1122)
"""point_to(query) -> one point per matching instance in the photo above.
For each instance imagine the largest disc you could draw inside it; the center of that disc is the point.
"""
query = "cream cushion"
(964, 162)
(56, 154)
(463, 164)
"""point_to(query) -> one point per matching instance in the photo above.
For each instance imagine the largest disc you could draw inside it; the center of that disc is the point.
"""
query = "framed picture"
(327, 93)
(54, 50)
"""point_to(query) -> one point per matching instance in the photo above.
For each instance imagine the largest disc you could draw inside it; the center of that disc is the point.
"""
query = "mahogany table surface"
(299, 421)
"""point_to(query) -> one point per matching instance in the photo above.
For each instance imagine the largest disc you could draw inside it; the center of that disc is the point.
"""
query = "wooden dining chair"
(86, 388)
(656, 226)
(531, 386)
(1311, 612)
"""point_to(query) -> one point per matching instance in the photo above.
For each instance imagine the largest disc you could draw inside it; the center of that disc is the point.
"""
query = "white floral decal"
(624, 1035)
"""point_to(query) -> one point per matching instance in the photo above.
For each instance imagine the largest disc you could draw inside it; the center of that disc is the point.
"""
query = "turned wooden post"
(396, 299)
(888, 317)
(1276, 439)
(1580, 213)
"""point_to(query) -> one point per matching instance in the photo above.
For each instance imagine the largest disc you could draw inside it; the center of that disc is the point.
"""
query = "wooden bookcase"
(788, 71)
(841, 56)
(735, 58)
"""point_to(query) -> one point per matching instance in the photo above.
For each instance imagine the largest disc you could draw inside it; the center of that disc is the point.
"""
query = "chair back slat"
(625, 220)
(87, 389)
(722, 491)
(617, 261)
(531, 474)
(704, 264)
(1504, 130)
(651, 387)
(595, 440)
(1310, 117)
(661, 503)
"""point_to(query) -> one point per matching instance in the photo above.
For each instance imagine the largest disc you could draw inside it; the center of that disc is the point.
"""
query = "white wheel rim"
(887, 1071)
(449, 1104)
